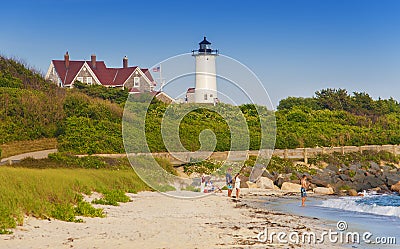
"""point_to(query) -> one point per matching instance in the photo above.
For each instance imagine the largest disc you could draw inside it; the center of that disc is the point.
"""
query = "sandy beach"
(153, 220)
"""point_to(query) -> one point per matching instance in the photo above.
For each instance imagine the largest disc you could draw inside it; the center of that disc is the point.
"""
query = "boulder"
(243, 181)
(265, 183)
(392, 179)
(396, 187)
(291, 187)
(280, 180)
(321, 180)
(323, 191)
(374, 166)
(344, 177)
(266, 173)
(352, 192)
(332, 167)
(377, 189)
(251, 184)
(372, 181)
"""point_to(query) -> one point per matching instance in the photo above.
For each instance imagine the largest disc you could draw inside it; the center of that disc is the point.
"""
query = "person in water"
(304, 186)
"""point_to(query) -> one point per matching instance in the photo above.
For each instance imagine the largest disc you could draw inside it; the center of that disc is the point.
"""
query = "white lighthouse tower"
(206, 80)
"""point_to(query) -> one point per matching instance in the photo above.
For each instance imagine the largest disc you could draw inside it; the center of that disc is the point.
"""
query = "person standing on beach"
(228, 179)
(237, 185)
(202, 184)
(304, 186)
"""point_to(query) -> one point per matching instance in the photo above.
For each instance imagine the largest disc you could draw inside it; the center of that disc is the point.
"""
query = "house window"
(89, 80)
(80, 79)
(211, 95)
(136, 81)
(205, 96)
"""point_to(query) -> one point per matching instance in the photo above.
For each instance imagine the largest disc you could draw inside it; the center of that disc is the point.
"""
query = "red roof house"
(65, 72)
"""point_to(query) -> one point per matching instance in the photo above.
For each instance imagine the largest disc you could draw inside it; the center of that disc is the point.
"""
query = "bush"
(112, 197)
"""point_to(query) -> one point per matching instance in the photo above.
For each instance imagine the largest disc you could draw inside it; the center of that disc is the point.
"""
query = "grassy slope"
(53, 192)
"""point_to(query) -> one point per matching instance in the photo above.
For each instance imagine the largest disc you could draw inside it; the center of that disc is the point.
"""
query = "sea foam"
(388, 205)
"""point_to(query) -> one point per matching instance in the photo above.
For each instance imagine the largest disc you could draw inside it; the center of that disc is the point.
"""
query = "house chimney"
(66, 59)
(125, 62)
(93, 57)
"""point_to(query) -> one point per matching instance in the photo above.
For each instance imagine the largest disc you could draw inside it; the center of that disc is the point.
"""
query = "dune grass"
(20, 147)
(56, 193)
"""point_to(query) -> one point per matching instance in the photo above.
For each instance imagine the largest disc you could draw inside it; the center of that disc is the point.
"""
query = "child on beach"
(202, 184)
(304, 186)
(237, 185)
(228, 179)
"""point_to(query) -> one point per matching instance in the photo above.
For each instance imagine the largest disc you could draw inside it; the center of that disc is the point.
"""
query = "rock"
(251, 184)
(332, 167)
(352, 192)
(291, 187)
(265, 183)
(280, 180)
(372, 181)
(395, 187)
(384, 189)
(321, 180)
(266, 173)
(374, 166)
(377, 189)
(344, 177)
(392, 179)
(323, 191)
(243, 181)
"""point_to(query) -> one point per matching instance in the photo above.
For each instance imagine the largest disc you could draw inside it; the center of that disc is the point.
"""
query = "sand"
(153, 220)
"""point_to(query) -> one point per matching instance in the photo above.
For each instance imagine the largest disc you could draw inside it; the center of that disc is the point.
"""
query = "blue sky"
(294, 47)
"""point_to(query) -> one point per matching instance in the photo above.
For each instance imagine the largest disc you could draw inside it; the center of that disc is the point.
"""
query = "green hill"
(31, 108)
(87, 119)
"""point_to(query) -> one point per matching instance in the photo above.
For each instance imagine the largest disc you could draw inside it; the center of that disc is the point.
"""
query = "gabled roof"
(106, 76)
(67, 75)
(148, 75)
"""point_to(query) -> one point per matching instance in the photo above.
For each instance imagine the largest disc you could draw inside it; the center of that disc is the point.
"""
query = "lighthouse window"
(205, 96)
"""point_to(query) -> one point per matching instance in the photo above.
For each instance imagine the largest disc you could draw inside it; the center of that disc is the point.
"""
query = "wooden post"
(305, 156)
(342, 150)
(285, 154)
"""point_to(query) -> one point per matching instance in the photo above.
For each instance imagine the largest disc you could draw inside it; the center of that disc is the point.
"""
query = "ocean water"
(387, 205)
(375, 214)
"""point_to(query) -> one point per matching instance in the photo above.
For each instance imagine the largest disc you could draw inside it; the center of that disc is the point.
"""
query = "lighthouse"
(206, 80)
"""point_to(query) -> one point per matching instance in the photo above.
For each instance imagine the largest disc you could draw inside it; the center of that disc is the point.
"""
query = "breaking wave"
(388, 205)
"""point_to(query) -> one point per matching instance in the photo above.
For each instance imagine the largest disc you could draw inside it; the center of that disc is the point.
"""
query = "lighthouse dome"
(205, 46)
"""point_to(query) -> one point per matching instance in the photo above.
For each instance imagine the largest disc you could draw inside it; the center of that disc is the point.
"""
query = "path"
(36, 155)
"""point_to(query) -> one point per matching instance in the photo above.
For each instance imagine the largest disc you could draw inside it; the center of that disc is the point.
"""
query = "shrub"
(112, 197)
